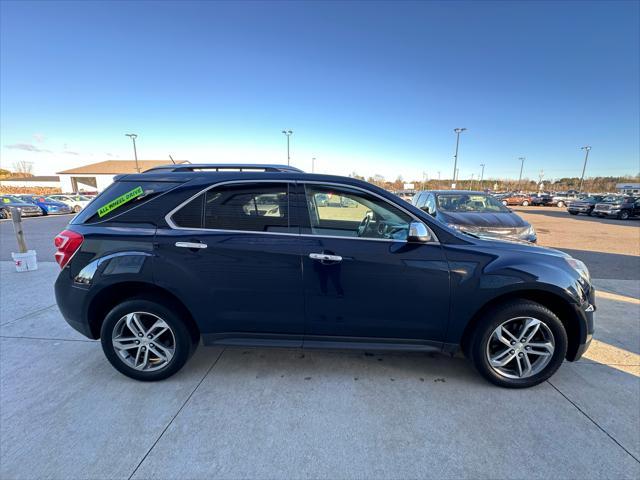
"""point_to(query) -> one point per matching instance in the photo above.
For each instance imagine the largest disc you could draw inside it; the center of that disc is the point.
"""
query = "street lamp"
(522, 159)
(288, 134)
(455, 157)
(481, 175)
(133, 137)
(587, 149)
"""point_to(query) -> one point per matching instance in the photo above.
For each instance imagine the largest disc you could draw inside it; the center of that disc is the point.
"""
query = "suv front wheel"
(518, 345)
(146, 340)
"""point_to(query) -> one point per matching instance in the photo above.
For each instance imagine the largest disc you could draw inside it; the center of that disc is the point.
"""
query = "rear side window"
(119, 198)
(250, 207)
(260, 207)
(190, 216)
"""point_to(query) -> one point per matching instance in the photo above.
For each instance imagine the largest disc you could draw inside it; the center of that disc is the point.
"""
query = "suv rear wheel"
(518, 345)
(146, 340)
(525, 203)
(623, 215)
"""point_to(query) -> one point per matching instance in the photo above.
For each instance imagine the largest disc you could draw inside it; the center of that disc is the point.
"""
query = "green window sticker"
(119, 201)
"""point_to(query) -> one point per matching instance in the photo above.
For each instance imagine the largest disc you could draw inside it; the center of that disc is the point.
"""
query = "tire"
(505, 203)
(573, 213)
(511, 314)
(77, 209)
(560, 204)
(177, 340)
(623, 215)
(4, 214)
(590, 213)
(525, 203)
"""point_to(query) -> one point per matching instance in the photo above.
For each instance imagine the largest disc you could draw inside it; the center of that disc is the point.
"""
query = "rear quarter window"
(119, 198)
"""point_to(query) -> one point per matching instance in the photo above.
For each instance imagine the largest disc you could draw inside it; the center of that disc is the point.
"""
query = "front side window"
(346, 212)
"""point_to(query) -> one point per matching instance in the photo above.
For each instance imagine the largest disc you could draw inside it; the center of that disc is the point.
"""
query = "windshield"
(461, 202)
(10, 199)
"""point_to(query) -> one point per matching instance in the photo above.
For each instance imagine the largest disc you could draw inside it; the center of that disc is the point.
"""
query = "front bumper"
(607, 213)
(579, 209)
(32, 213)
(585, 314)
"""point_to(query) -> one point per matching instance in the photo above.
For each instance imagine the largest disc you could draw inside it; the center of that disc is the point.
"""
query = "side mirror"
(418, 232)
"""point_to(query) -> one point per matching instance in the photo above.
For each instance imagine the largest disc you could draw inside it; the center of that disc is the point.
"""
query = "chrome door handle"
(191, 245)
(324, 256)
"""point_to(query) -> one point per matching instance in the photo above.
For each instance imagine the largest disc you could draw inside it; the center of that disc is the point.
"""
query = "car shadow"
(614, 266)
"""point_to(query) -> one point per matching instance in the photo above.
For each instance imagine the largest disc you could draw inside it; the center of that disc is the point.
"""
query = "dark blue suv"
(271, 256)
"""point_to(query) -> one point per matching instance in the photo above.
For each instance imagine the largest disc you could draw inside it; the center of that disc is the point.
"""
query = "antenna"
(174, 162)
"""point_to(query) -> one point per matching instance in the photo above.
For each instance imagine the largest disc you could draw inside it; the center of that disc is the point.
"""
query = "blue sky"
(367, 87)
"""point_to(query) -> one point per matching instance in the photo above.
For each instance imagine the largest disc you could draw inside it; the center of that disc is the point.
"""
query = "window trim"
(290, 183)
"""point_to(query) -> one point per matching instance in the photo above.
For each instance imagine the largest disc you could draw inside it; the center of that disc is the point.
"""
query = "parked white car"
(76, 202)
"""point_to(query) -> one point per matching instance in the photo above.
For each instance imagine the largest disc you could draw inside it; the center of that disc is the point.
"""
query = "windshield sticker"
(119, 201)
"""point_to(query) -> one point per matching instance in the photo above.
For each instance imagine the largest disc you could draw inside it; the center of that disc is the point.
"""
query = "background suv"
(516, 199)
(622, 208)
(183, 253)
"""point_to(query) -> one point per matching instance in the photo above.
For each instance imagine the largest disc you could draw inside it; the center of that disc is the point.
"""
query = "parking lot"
(286, 413)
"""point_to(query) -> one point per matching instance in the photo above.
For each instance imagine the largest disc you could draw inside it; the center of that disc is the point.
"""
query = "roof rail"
(224, 167)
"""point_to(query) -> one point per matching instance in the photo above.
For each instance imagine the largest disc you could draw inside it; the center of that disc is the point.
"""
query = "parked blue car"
(48, 205)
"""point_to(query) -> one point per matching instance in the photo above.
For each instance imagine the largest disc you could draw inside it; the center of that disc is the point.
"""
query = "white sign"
(409, 186)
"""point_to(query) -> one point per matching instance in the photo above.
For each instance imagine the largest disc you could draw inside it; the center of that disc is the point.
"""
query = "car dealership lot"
(282, 413)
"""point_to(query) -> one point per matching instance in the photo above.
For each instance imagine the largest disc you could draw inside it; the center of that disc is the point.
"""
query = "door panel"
(242, 282)
(382, 288)
(246, 278)
(378, 290)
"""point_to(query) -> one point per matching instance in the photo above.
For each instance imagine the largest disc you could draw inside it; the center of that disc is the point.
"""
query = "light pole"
(471, 186)
(522, 159)
(313, 164)
(455, 157)
(133, 137)
(288, 134)
(481, 175)
(587, 149)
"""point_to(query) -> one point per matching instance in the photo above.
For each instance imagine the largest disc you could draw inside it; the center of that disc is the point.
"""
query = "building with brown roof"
(95, 177)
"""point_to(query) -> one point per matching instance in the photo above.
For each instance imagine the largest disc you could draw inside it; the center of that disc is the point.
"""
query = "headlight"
(579, 267)
(527, 232)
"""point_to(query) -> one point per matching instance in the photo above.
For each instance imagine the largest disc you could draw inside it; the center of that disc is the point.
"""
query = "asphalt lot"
(286, 413)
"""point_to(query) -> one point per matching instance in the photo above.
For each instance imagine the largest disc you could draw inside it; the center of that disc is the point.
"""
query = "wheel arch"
(560, 306)
(116, 293)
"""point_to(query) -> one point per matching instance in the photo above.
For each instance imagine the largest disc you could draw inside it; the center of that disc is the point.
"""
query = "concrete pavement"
(279, 413)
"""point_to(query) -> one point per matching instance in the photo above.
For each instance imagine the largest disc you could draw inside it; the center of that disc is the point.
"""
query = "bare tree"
(23, 167)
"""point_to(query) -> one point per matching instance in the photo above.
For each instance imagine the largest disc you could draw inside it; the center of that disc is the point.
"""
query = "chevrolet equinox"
(267, 255)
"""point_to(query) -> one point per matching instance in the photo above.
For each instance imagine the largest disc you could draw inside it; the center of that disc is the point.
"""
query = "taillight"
(67, 243)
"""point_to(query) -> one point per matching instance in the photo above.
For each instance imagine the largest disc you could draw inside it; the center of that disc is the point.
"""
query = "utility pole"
(455, 157)
(471, 186)
(522, 159)
(288, 134)
(313, 164)
(481, 175)
(133, 137)
(587, 149)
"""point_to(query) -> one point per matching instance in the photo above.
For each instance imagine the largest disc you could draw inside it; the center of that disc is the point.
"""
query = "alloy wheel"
(520, 347)
(144, 341)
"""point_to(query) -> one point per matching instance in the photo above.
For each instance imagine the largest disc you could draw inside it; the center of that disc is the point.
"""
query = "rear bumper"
(72, 301)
